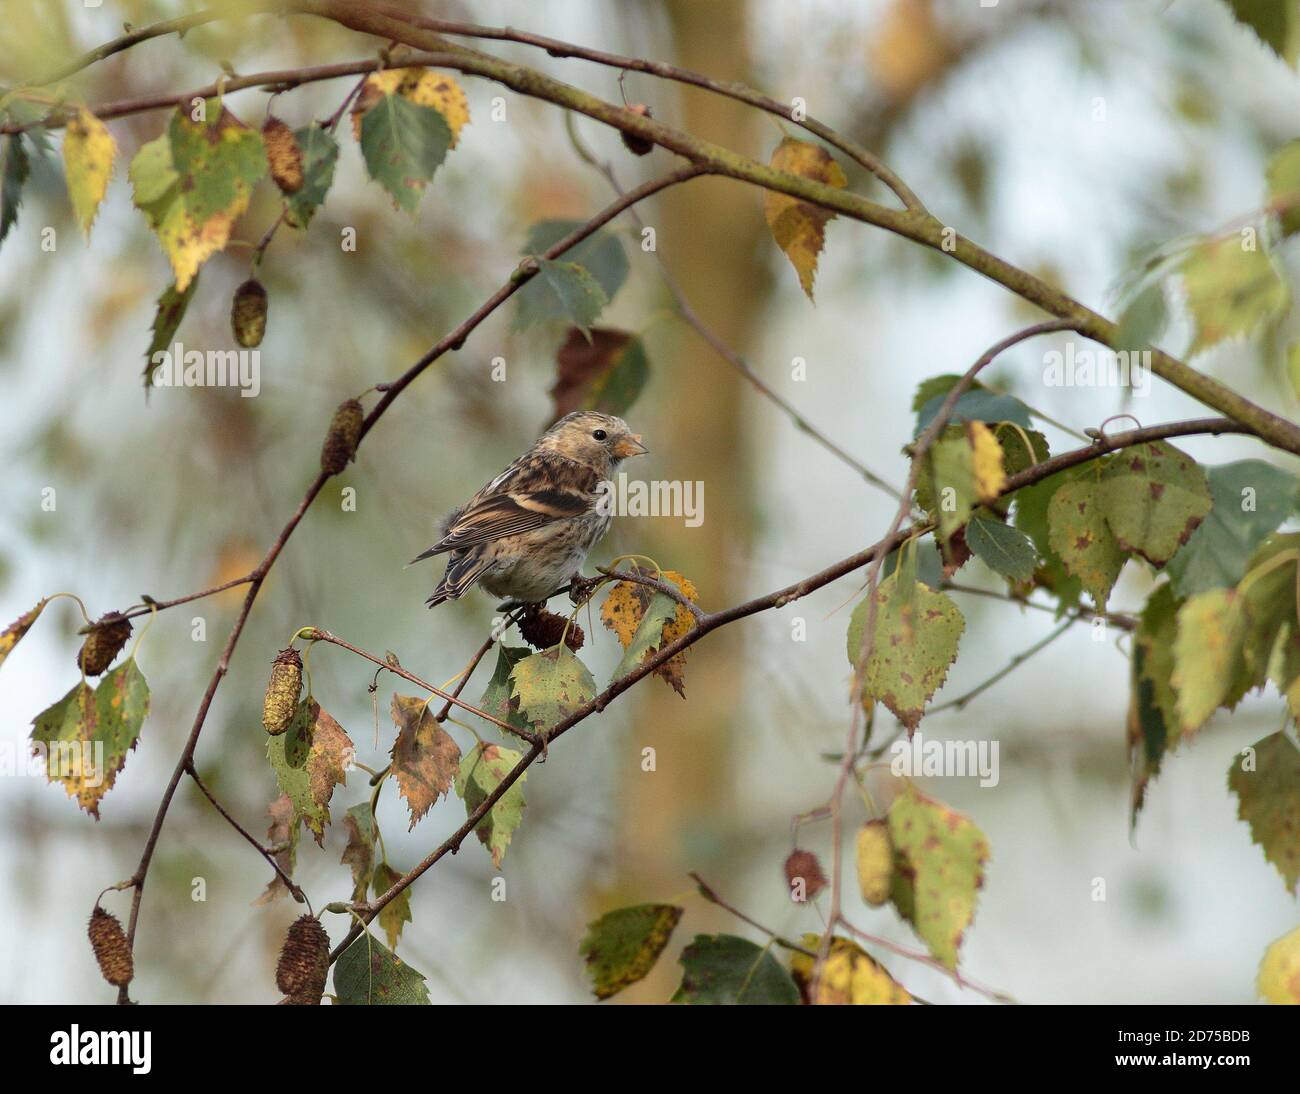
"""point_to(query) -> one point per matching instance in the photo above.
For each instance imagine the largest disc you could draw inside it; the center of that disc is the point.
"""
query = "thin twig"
(267, 854)
(316, 634)
(710, 894)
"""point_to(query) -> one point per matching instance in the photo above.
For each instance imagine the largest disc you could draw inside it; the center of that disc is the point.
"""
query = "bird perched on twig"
(528, 531)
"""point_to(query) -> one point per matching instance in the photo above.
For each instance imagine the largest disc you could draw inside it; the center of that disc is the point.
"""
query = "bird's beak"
(630, 446)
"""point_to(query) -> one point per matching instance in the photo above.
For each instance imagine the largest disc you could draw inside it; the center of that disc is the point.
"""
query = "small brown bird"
(528, 531)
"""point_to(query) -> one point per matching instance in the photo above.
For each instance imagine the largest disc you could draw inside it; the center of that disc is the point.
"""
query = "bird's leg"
(580, 586)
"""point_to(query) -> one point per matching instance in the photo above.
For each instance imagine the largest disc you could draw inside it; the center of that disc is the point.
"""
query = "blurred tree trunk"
(710, 231)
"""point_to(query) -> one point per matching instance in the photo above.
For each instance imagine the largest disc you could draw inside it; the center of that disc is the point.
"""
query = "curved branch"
(452, 341)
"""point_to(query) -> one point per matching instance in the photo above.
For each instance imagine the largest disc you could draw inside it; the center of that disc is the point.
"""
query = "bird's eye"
(600, 434)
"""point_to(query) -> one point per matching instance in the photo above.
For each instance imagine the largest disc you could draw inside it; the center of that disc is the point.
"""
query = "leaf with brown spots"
(622, 946)
(310, 759)
(645, 621)
(481, 772)
(425, 758)
(551, 685)
(1267, 784)
(1152, 728)
(1154, 496)
(368, 973)
(938, 870)
(1231, 290)
(917, 632)
(87, 734)
(1080, 536)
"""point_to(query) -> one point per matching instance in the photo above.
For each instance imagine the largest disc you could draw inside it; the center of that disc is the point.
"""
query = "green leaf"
(562, 292)
(722, 969)
(1143, 320)
(17, 170)
(320, 152)
(368, 973)
(398, 910)
(1267, 785)
(622, 946)
(359, 854)
(403, 143)
(1250, 499)
(917, 632)
(601, 254)
(1004, 549)
(551, 685)
(1231, 291)
(309, 760)
(658, 612)
(1082, 539)
(975, 405)
(1209, 662)
(497, 698)
(1153, 727)
(481, 772)
(1030, 516)
(938, 870)
(425, 758)
(194, 182)
(1154, 497)
(88, 733)
(166, 321)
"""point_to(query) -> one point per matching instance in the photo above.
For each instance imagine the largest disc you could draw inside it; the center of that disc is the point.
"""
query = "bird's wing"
(531, 493)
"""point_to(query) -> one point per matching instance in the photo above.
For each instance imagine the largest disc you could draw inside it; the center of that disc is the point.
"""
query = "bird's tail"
(463, 570)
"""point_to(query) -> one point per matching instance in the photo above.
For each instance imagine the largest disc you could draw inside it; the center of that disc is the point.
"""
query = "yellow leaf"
(625, 607)
(13, 633)
(875, 855)
(421, 86)
(799, 228)
(1279, 972)
(849, 976)
(88, 151)
(986, 461)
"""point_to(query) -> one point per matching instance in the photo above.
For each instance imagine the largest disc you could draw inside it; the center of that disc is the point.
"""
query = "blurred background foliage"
(993, 115)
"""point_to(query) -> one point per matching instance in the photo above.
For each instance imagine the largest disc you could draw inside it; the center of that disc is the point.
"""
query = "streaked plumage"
(528, 531)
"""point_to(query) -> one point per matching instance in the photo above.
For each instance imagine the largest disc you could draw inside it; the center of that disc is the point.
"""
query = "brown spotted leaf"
(1154, 496)
(1079, 534)
(916, 636)
(283, 834)
(425, 758)
(850, 977)
(938, 870)
(599, 369)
